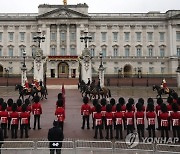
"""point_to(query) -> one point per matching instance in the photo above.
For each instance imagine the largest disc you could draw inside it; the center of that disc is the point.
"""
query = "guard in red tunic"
(85, 112)
(60, 113)
(169, 108)
(93, 111)
(24, 121)
(164, 118)
(103, 112)
(129, 115)
(109, 121)
(158, 111)
(122, 102)
(14, 121)
(175, 120)
(9, 109)
(98, 122)
(113, 104)
(37, 111)
(26, 86)
(28, 109)
(4, 119)
(151, 117)
(118, 121)
(139, 115)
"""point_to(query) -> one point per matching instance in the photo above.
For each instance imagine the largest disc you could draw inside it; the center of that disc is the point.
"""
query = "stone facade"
(131, 43)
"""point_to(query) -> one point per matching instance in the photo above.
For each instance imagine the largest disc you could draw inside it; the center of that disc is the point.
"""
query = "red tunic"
(158, 108)
(29, 108)
(129, 117)
(36, 109)
(151, 117)
(164, 119)
(60, 114)
(85, 110)
(109, 117)
(4, 116)
(175, 118)
(14, 118)
(98, 119)
(139, 117)
(24, 117)
(93, 111)
(118, 116)
(103, 111)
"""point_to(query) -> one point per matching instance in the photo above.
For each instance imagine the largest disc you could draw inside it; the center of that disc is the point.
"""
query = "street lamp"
(86, 38)
(24, 57)
(100, 56)
(7, 76)
(38, 38)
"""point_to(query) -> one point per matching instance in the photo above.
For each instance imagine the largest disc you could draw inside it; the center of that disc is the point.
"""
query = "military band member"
(98, 122)
(129, 115)
(122, 102)
(9, 109)
(14, 121)
(4, 119)
(109, 121)
(158, 111)
(93, 111)
(28, 109)
(85, 112)
(103, 112)
(60, 113)
(37, 111)
(24, 116)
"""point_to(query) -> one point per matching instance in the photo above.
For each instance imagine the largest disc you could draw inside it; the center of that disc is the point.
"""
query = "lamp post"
(7, 76)
(101, 70)
(86, 38)
(38, 38)
(23, 69)
(24, 57)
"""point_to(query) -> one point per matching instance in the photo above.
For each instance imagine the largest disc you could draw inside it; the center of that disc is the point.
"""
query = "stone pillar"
(38, 65)
(86, 66)
(23, 75)
(68, 41)
(101, 75)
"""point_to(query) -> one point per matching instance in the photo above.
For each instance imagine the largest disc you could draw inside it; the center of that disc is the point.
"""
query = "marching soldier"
(4, 119)
(37, 111)
(103, 112)
(109, 121)
(85, 112)
(24, 116)
(28, 109)
(93, 111)
(9, 109)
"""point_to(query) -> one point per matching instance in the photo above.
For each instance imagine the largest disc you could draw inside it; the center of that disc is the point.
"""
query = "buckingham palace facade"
(131, 43)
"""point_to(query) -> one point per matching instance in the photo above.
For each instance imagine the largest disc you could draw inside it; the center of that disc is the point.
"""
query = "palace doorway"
(63, 70)
(127, 71)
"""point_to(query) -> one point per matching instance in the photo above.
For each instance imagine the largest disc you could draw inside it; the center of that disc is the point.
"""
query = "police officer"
(55, 134)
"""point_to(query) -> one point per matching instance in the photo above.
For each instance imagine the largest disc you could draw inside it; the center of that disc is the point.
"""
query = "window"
(10, 70)
(151, 70)
(161, 35)
(63, 51)
(150, 50)
(1, 36)
(0, 51)
(53, 36)
(115, 52)
(162, 70)
(177, 36)
(93, 36)
(103, 34)
(162, 54)
(10, 51)
(33, 51)
(32, 36)
(178, 51)
(62, 36)
(127, 52)
(92, 52)
(150, 36)
(115, 36)
(73, 36)
(104, 52)
(116, 69)
(139, 53)
(21, 50)
(72, 51)
(22, 36)
(126, 36)
(138, 36)
(53, 51)
(11, 34)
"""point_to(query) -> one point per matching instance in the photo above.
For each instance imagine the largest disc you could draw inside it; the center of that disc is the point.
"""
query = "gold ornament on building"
(65, 2)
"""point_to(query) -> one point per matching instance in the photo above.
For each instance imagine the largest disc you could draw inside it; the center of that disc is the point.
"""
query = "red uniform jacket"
(14, 118)
(98, 119)
(139, 117)
(4, 116)
(36, 109)
(29, 108)
(175, 117)
(158, 109)
(85, 110)
(129, 117)
(93, 111)
(109, 117)
(103, 111)
(151, 118)
(118, 118)
(164, 119)
(60, 114)
(24, 117)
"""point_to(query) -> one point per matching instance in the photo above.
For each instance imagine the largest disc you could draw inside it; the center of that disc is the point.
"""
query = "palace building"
(131, 43)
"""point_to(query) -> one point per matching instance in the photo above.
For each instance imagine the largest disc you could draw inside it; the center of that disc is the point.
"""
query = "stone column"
(23, 75)
(101, 75)
(178, 79)
(68, 41)
(58, 40)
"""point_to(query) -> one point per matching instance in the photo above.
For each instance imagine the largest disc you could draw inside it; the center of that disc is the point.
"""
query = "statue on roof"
(65, 2)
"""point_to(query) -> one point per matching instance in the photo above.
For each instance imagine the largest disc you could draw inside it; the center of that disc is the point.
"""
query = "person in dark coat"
(55, 134)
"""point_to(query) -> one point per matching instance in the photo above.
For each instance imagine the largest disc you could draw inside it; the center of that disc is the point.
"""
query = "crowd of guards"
(115, 117)
(16, 115)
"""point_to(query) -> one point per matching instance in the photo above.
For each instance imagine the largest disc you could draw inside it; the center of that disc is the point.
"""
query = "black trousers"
(37, 120)
(85, 119)
(52, 151)
(119, 132)
(24, 127)
(176, 131)
(130, 129)
(103, 122)
(4, 129)
(98, 127)
(109, 130)
(61, 125)
(151, 130)
(14, 129)
(140, 130)
(164, 130)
